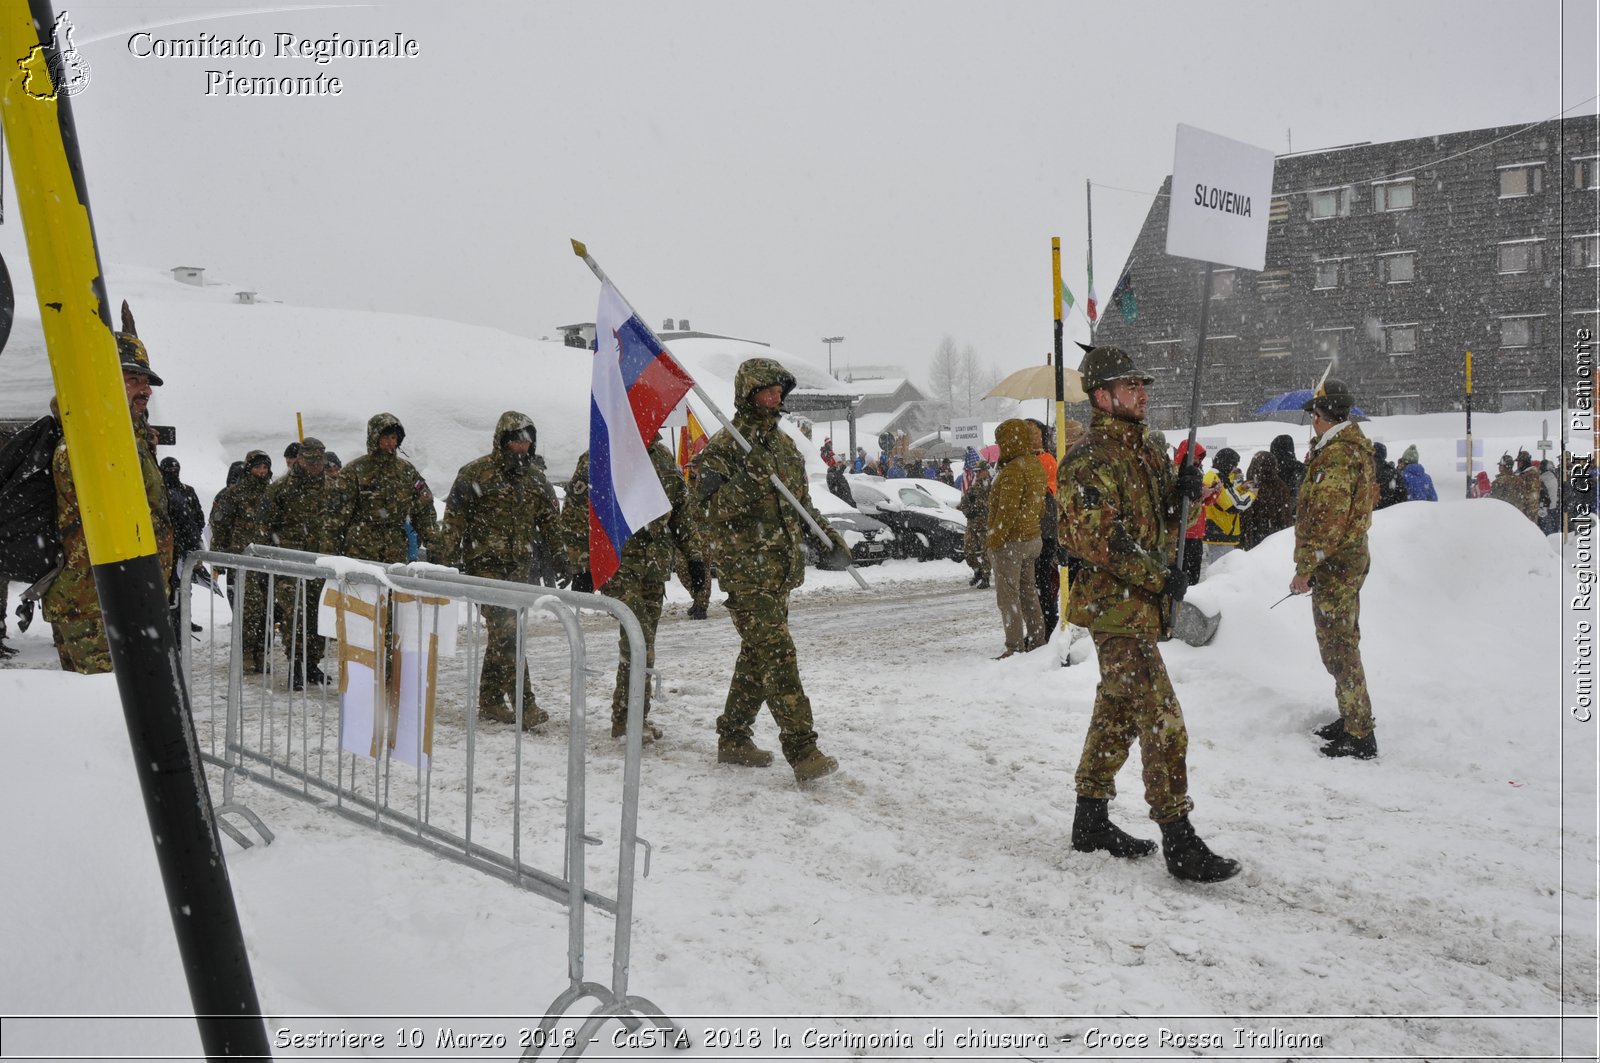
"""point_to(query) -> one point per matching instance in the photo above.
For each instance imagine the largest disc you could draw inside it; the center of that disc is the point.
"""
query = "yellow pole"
(1469, 424)
(1061, 397)
(299, 427)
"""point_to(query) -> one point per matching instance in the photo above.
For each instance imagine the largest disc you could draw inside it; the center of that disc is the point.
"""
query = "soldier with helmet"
(500, 512)
(756, 539)
(71, 602)
(1331, 518)
(235, 524)
(301, 511)
(382, 492)
(1120, 500)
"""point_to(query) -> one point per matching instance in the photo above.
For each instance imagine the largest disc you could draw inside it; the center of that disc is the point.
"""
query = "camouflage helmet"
(1333, 398)
(758, 374)
(1102, 366)
(134, 358)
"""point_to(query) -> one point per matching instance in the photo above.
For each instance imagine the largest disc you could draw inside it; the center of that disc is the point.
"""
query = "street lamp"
(830, 341)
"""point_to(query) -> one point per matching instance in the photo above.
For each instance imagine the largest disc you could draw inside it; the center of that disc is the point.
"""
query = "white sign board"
(1221, 198)
(967, 433)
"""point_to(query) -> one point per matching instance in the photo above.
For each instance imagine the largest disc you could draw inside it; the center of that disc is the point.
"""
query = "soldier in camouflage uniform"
(975, 504)
(640, 581)
(500, 512)
(71, 602)
(382, 491)
(301, 511)
(235, 524)
(1331, 519)
(756, 539)
(1120, 501)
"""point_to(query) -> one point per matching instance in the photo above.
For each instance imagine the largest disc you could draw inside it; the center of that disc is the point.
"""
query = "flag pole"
(582, 251)
(1061, 399)
(1194, 425)
(1469, 424)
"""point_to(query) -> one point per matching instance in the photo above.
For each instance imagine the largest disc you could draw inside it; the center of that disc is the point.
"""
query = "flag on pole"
(691, 441)
(1093, 306)
(969, 466)
(1123, 299)
(635, 385)
(1066, 297)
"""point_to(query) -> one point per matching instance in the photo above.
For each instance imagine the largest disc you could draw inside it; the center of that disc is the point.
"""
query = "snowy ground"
(1436, 903)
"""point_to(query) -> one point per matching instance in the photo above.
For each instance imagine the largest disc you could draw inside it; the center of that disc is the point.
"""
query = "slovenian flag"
(636, 384)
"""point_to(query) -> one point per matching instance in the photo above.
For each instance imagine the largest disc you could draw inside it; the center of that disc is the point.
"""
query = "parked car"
(871, 541)
(923, 527)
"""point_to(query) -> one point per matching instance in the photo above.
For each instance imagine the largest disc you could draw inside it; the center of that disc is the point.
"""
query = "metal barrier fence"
(419, 773)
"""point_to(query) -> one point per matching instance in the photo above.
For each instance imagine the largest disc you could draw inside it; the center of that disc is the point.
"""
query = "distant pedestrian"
(1291, 470)
(1013, 541)
(975, 504)
(1390, 490)
(1418, 484)
(1232, 496)
(1274, 505)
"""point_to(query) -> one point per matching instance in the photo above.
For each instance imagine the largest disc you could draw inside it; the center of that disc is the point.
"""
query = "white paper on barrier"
(360, 721)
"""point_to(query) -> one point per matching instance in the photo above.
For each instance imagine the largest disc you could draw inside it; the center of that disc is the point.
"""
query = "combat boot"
(983, 583)
(6, 651)
(1188, 857)
(1093, 831)
(976, 576)
(315, 674)
(743, 752)
(619, 729)
(697, 612)
(496, 712)
(814, 766)
(1348, 745)
(532, 716)
(1330, 731)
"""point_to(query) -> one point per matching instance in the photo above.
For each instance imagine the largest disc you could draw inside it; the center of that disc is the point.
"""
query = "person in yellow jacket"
(1016, 503)
(1230, 496)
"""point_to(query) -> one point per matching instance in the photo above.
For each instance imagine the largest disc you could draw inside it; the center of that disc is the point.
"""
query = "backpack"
(30, 541)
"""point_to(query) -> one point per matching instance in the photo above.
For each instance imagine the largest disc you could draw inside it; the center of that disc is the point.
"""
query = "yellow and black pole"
(1061, 395)
(53, 198)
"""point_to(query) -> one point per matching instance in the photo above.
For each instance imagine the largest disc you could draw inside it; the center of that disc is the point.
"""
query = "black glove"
(1177, 584)
(698, 578)
(583, 582)
(1191, 482)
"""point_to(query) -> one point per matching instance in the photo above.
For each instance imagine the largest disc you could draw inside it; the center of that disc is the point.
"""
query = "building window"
(1520, 332)
(1330, 203)
(1219, 412)
(1523, 179)
(1400, 339)
(1163, 351)
(1586, 172)
(1586, 251)
(1167, 416)
(1521, 400)
(1397, 268)
(1329, 344)
(1275, 347)
(1222, 283)
(1393, 195)
(1279, 211)
(1521, 256)
(1396, 405)
(1332, 273)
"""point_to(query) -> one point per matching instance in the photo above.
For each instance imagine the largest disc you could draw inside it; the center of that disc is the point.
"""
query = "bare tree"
(945, 378)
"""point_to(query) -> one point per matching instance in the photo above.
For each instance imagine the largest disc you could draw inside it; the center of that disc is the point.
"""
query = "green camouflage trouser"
(81, 645)
(644, 597)
(497, 684)
(1336, 613)
(767, 671)
(252, 616)
(297, 627)
(1135, 701)
(972, 546)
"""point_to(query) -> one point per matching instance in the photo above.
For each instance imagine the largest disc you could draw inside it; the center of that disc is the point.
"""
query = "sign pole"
(1061, 400)
(1469, 424)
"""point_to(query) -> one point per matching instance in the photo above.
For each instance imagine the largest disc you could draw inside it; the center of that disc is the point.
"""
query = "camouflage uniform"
(235, 524)
(640, 581)
(381, 492)
(301, 510)
(71, 602)
(756, 539)
(499, 513)
(1119, 514)
(975, 504)
(1332, 515)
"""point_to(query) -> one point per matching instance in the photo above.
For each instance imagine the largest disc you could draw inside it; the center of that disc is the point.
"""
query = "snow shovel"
(1193, 626)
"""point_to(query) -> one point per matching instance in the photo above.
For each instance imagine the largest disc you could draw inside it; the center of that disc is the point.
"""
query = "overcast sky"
(889, 172)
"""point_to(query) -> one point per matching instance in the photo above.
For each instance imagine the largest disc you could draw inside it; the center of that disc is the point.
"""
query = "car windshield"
(912, 497)
(863, 493)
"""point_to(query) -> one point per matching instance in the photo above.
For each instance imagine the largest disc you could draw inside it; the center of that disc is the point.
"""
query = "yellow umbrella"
(1039, 382)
